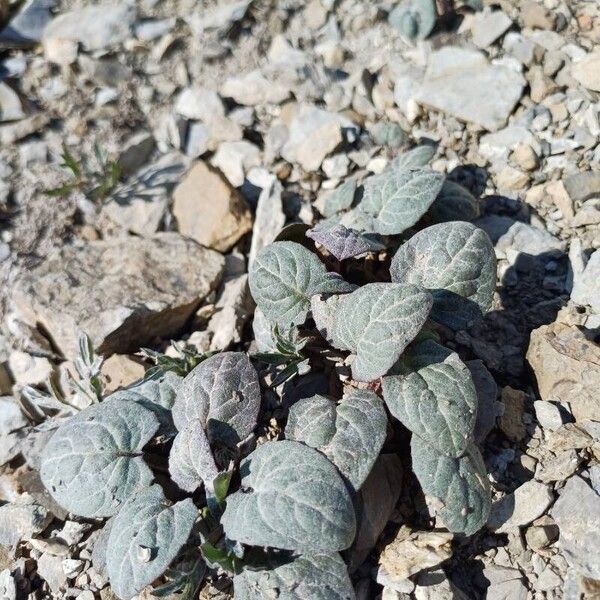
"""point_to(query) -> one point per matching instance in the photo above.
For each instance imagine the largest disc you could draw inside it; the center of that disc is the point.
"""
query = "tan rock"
(121, 370)
(567, 368)
(414, 551)
(209, 210)
(122, 292)
(29, 370)
(560, 198)
(587, 71)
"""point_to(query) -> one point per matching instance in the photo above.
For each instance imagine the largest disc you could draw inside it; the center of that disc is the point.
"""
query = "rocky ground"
(220, 122)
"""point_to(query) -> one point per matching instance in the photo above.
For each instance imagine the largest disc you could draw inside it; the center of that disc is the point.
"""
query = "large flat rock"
(462, 83)
(122, 293)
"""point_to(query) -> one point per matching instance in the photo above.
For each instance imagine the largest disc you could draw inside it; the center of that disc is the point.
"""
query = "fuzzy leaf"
(456, 262)
(191, 460)
(161, 391)
(414, 19)
(146, 536)
(93, 462)
(460, 485)
(263, 332)
(292, 498)
(307, 577)
(435, 398)
(454, 203)
(376, 322)
(350, 433)
(398, 199)
(339, 199)
(343, 242)
(222, 394)
(414, 159)
(283, 278)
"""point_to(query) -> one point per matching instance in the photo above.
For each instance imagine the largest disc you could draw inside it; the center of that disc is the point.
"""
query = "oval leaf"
(350, 434)
(460, 485)
(418, 157)
(435, 398)
(398, 199)
(191, 461)
(223, 394)
(307, 577)
(454, 203)
(343, 242)
(283, 278)
(292, 498)
(145, 537)
(456, 262)
(93, 462)
(376, 322)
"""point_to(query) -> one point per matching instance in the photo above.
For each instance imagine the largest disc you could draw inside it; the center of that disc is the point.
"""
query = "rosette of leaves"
(240, 464)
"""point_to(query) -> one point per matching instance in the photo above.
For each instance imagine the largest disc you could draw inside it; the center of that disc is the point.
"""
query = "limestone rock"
(313, 134)
(462, 83)
(488, 26)
(577, 514)
(122, 293)
(587, 71)
(253, 89)
(414, 551)
(524, 505)
(235, 159)
(567, 368)
(199, 103)
(21, 521)
(29, 370)
(209, 210)
(120, 371)
(504, 583)
(94, 27)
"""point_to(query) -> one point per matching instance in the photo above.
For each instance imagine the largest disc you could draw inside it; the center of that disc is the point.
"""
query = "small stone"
(197, 141)
(560, 198)
(8, 587)
(558, 468)
(313, 134)
(412, 552)
(50, 569)
(477, 92)
(209, 210)
(235, 159)
(150, 287)
(511, 421)
(583, 186)
(26, 27)
(20, 522)
(504, 583)
(567, 368)
(121, 370)
(525, 157)
(540, 537)
(511, 179)
(525, 239)
(254, 89)
(535, 16)
(151, 29)
(523, 506)
(587, 71)
(94, 27)
(29, 370)
(577, 514)
(10, 104)
(199, 103)
(550, 415)
(488, 26)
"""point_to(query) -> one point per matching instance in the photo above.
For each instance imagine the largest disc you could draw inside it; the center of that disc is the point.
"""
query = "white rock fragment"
(488, 26)
(29, 370)
(254, 89)
(199, 103)
(463, 83)
(235, 159)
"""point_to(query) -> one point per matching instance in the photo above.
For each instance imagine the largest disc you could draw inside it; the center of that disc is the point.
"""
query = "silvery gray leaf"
(375, 322)
(161, 391)
(222, 394)
(398, 199)
(292, 498)
(145, 538)
(93, 462)
(460, 485)
(283, 278)
(343, 242)
(456, 262)
(435, 398)
(454, 203)
(350, 434)
(339, 199)
(487, 406)
(356, 219)
(416, 158)
(306, 577)
(263, 332)
(191, 461)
